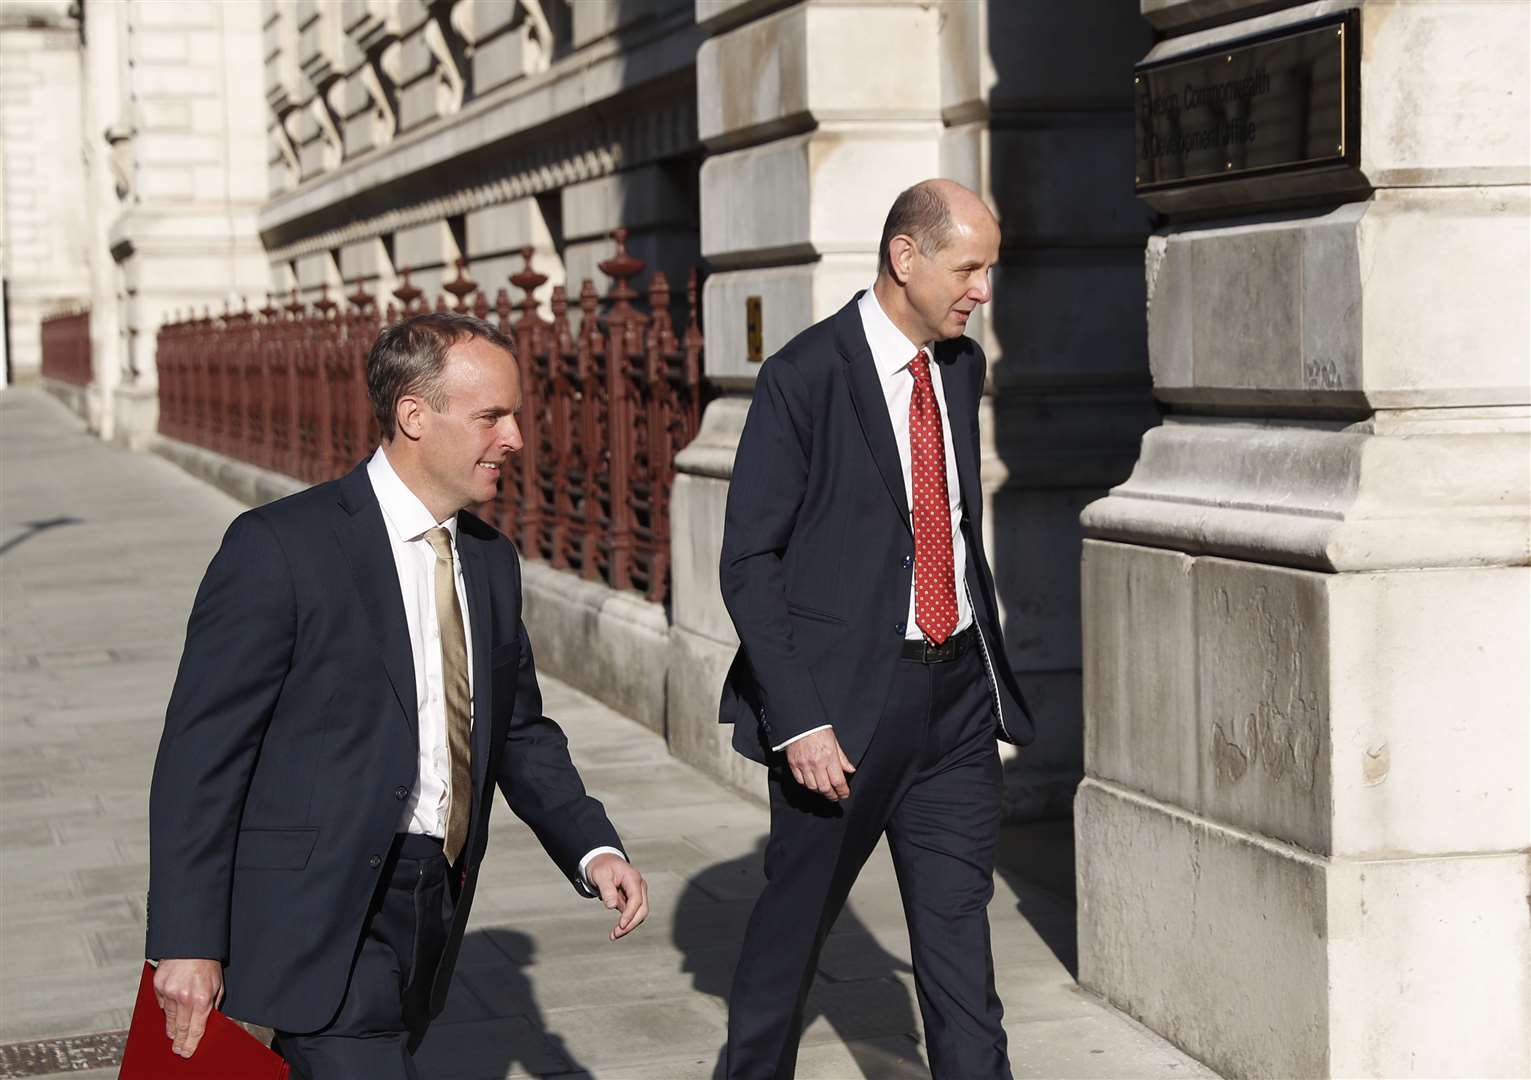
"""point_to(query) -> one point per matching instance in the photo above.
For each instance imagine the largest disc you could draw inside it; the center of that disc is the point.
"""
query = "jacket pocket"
(802, 611)
(274, 849)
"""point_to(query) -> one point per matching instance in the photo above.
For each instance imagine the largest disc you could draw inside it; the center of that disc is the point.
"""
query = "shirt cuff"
(804, 735)
(590, 856)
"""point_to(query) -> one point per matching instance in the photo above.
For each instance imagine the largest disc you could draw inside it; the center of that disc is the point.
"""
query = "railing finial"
(620, 267)
(361, 297)
(461, 286)
(407, 293)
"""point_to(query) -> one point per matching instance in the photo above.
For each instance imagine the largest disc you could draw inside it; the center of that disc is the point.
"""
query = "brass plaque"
(1281, 102)
(753, 331)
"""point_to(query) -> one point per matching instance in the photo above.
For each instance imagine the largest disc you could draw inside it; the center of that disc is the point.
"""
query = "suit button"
(899, 629)
(908, 561)
(375, 861)
(401, 792)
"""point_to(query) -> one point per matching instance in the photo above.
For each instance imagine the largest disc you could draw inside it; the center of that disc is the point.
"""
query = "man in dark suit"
(871, 677)
(355, 681)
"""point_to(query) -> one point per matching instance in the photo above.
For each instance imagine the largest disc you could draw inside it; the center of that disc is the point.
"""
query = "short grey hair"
(920, 213)
(408, 357)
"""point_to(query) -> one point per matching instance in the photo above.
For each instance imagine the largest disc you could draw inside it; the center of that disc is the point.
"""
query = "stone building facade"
(1261, 552)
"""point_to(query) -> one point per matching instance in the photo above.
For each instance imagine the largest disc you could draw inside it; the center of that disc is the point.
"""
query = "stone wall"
(1302, 842)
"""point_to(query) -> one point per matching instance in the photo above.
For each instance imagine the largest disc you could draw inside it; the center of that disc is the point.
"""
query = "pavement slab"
(101, 551)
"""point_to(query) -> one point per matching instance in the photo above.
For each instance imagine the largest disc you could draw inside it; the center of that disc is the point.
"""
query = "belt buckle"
(936, 654)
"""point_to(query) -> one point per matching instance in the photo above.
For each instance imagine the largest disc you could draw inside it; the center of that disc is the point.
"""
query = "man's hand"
(188, 990)
(818, 763)
(620, 886)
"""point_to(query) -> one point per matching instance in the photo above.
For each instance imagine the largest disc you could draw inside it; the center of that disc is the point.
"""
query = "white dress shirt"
(891, 354)
(408, 520)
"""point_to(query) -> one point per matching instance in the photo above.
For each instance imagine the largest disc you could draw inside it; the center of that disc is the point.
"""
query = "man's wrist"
(590, 857)
(801, 735)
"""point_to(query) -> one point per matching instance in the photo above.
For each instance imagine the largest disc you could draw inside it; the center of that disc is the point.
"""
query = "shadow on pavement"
(518, 1041)
(842, 1002)
(1036, 859)
(34, 528)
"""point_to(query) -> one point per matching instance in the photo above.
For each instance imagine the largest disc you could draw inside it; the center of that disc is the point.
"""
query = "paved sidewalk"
(100, 554)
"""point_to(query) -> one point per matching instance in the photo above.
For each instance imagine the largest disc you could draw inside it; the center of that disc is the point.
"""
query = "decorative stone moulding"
(302, 222)
(1434, 488)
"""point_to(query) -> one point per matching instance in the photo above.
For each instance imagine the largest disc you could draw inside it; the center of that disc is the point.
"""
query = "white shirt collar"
(402, 507)
(891, 350)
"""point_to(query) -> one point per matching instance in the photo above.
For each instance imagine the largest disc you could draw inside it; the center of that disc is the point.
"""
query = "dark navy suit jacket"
(291, 743)
(818, 551)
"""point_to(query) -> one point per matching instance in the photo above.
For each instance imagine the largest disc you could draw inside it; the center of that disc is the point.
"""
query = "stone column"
(191, 154)
(815, 116)
(1038, 119)
(105, 31)
(1302, 839)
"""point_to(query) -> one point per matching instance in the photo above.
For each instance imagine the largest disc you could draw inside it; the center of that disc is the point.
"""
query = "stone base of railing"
(250, 484)
(135, 416)
(611, 645)
(74, 396)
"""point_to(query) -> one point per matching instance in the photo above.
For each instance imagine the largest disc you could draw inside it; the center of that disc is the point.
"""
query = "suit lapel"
(961, 416)
(870, 404)
(364, 538)
(481, 620)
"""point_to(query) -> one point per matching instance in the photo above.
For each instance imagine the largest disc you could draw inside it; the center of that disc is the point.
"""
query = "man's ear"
(901, 257)
(409, 416)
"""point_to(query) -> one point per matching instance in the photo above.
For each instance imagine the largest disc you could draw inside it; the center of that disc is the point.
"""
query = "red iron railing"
(66, 348)
(605, 407)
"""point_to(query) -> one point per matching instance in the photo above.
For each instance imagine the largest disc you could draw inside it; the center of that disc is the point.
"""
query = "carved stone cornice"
(660, 130)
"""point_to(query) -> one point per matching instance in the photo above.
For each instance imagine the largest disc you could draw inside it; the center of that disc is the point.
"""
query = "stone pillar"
(191, 150)
(105, 31)
(1038, 118)
(44, 241)
(1302, 839)
(815, 116)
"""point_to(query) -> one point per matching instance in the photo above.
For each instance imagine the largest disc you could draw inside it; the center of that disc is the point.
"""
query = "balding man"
(871, 678)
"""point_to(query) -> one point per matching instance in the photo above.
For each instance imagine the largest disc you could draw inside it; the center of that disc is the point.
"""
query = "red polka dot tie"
(935, 590)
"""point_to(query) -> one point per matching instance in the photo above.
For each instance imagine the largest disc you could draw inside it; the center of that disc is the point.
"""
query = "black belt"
(418, 845)
(953, 647)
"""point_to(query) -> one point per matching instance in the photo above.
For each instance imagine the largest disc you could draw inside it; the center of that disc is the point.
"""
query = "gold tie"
(454, 677)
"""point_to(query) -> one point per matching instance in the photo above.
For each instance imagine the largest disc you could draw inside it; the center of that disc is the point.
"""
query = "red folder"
(226, 1052)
